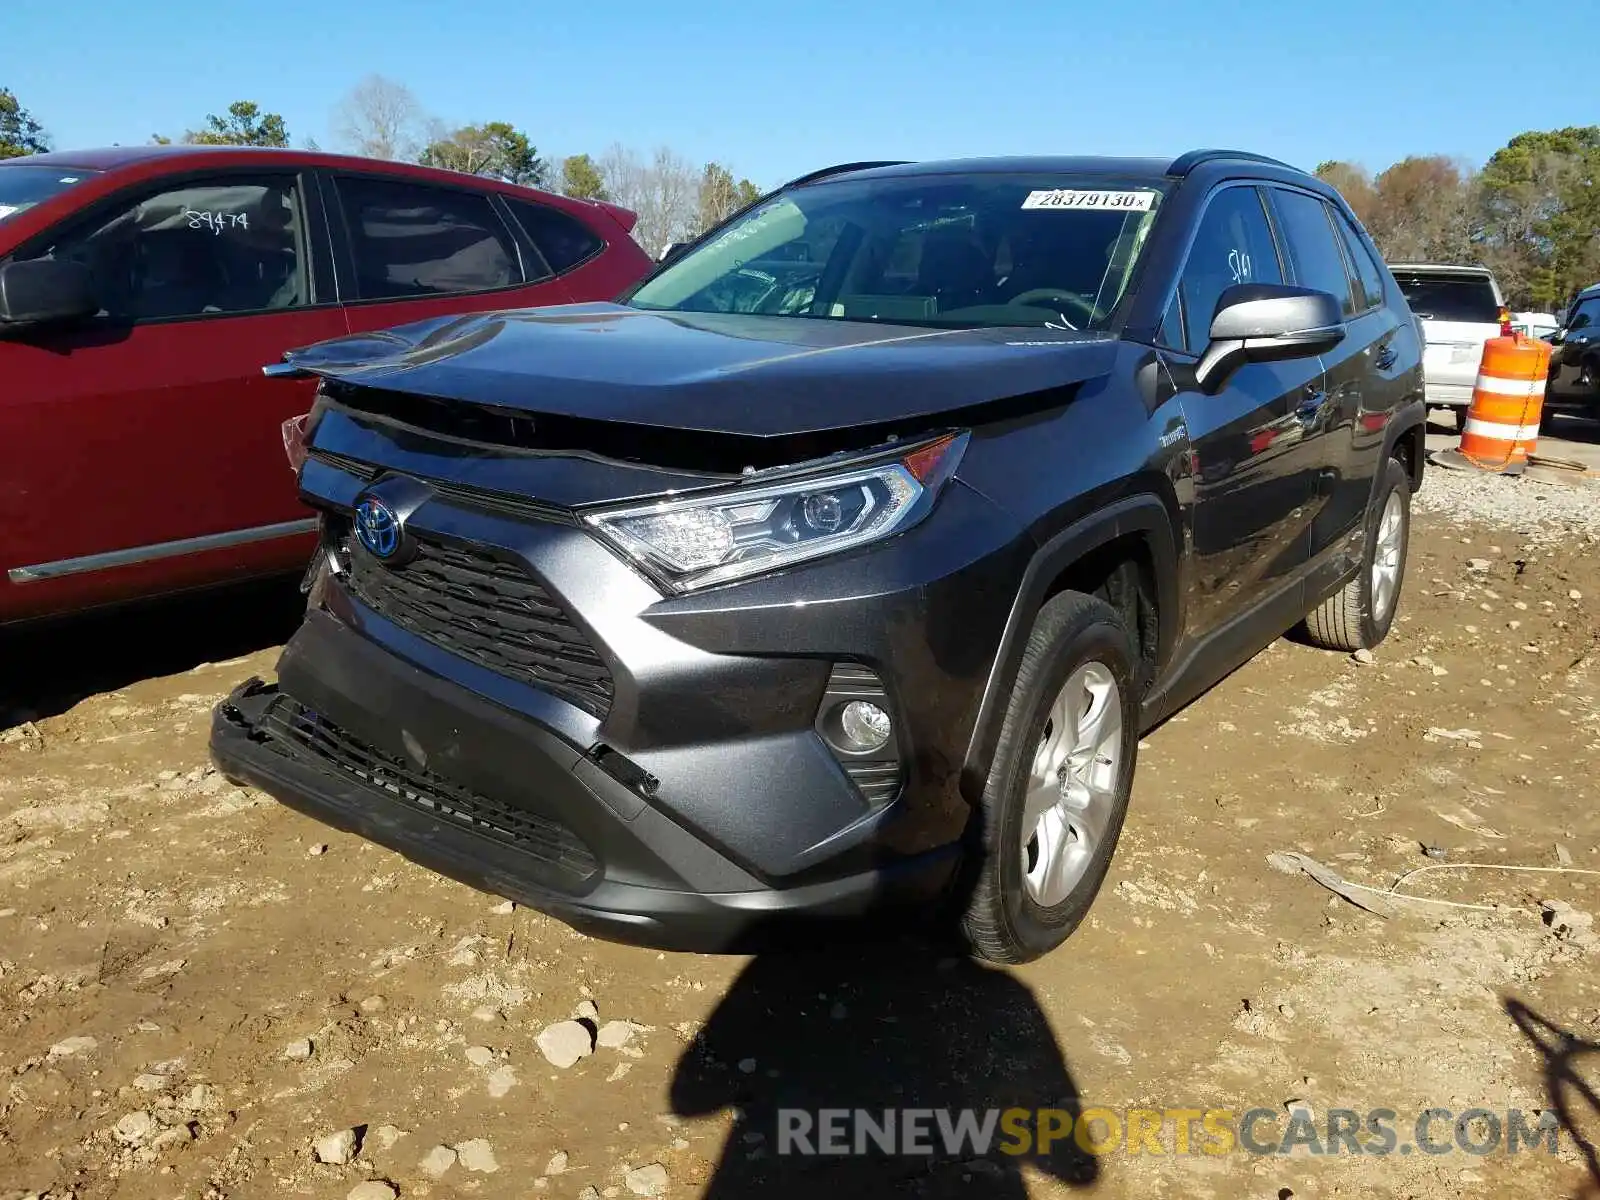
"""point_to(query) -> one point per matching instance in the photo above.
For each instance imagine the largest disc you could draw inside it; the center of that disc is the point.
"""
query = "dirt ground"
(197, 985)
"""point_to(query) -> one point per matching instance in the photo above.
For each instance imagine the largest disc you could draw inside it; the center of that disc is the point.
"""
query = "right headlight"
(714, 537)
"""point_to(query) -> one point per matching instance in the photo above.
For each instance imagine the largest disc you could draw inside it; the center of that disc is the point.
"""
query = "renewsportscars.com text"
(1162, 1131)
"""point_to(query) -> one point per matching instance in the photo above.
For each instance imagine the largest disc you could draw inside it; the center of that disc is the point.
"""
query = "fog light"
(865, 725)
(853, 719)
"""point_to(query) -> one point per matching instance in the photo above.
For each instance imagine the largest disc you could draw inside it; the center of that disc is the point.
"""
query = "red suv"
(142, 291)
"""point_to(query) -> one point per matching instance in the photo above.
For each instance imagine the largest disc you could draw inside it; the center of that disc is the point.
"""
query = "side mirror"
(1267, 322)
(44, 290)
(1556, 336)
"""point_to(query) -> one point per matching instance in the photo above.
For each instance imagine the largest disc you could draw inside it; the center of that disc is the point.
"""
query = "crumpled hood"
(737, 374)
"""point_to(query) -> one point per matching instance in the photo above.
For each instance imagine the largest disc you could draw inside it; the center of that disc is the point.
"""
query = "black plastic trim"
(1143, 514)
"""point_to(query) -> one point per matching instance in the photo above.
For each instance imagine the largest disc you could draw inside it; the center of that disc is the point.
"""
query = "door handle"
(284, 370)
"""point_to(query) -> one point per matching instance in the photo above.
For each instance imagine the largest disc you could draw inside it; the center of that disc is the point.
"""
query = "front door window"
(207, 248)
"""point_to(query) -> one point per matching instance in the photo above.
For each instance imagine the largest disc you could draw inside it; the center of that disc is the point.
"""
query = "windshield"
(1450, 298)
(959, 251)
(22, 185)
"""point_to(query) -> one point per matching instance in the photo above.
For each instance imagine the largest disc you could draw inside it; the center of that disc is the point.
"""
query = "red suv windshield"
(22, 185)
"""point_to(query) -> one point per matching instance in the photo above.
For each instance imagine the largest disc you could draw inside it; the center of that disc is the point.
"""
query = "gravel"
(200, 1098)
(387, 1135)
(477, 1155)
(648, 1180)
(615, 1034)
(501, 1080)
(1544, 513)
(565, 1042)
(178, 1135)
(436, 1163)
(336, 1148)
(136, 1128)
(67, 1047)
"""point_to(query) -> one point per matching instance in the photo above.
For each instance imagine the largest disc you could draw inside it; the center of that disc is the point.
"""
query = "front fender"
(1145, 515)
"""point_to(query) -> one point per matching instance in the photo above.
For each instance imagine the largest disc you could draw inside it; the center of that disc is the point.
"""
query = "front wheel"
(1359, 616)
(1461, 420)
(1058, 790)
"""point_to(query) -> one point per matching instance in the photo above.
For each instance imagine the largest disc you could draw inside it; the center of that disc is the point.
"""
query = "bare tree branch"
(665, 192)
(380, 118)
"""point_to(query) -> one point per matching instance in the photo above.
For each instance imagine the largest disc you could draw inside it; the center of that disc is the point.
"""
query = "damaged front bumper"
(573, 841)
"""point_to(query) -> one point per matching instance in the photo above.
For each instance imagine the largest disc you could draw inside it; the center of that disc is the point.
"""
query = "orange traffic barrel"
(1502, 426)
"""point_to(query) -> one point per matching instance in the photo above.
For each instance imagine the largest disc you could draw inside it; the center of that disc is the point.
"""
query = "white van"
(1460, 308)
(1535, 324)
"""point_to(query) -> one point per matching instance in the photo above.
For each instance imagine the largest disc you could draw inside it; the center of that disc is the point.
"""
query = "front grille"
(488, 612)
(292, 728)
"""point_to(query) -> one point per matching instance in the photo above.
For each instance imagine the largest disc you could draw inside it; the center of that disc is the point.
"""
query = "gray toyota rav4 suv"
(841, 563)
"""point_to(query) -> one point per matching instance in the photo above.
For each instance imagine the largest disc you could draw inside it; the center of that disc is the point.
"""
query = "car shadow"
(1441, 420)
(1569, 428)
(1572, 1097)
(1564, 427)
(49, 667)
(872, 1027)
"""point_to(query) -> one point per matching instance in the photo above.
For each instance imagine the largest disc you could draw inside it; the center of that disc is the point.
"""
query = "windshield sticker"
(1091, 198)
(216, 222)
(7, 209)
(1239, 264)
(757, 222)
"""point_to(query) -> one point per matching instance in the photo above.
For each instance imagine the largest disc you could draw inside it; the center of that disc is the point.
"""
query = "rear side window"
(1441, 297)
(564, 240)
(1369, 276)
(414, 240)
(208, 248)
(1318, 262)
(1233, 244)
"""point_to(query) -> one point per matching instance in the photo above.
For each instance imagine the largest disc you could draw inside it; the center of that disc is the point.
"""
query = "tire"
(1353, 618)
(1078, 640)
(1461, 419)
(1547, 421)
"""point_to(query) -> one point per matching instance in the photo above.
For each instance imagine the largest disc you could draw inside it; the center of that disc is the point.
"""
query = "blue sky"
(775, 90)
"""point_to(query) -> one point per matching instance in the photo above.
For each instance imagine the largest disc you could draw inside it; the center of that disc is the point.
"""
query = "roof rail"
(1185, 163)
(841, 169)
